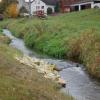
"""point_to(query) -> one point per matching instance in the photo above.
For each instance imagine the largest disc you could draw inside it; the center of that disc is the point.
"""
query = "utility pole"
(30, 8)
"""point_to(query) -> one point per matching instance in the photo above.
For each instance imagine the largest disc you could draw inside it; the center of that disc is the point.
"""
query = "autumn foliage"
(12, 11)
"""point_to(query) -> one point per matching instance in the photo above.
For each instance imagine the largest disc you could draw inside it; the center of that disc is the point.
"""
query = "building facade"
(77, 5)
(38, 5)
(64, 5)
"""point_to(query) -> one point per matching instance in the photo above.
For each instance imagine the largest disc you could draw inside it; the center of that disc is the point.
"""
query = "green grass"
(72, 36)
(20, 82)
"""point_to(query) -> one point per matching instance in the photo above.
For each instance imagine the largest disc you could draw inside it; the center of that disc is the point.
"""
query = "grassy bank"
(20, 82)
(74, 36)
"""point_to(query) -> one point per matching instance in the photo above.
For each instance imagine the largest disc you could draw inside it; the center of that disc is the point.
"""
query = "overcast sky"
(28, 0)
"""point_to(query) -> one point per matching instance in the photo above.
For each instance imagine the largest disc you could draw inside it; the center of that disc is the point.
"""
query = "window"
(42, 7)
(37, 7)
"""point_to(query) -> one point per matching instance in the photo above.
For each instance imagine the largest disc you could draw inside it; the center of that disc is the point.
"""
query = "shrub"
(23, 10)
(1, 31)
(57, 7)
(49, 11)
(11, 11)
(1, 17)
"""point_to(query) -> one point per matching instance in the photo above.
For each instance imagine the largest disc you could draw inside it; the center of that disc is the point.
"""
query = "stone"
(42, 67)
(62, 82)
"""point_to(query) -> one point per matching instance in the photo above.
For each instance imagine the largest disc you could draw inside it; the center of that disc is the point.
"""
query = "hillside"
(74, 36)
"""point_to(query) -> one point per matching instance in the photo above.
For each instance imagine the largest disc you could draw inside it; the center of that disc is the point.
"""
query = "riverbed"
(78, 82)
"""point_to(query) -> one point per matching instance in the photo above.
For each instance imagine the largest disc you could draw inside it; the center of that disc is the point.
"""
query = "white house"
(96, 4)
(38, 5)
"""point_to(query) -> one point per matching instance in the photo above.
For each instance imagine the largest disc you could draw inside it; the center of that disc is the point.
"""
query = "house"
(96, 4)
(46, 6)
(77, 5)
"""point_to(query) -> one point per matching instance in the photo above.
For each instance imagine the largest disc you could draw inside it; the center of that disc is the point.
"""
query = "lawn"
(20, 82)
(74, 36)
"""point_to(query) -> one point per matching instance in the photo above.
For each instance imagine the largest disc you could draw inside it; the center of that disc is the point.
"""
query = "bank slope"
(20, 82)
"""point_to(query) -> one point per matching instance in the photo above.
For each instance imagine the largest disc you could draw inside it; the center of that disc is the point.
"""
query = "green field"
(74, 36)
(20, 82)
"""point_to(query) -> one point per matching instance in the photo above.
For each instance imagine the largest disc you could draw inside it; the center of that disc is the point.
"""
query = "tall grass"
(87, 50)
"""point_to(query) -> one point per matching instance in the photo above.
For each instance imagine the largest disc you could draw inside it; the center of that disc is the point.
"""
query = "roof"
(50, 2)
(71, 2)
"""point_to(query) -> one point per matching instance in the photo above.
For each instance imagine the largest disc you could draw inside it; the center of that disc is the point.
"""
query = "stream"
(78, 82)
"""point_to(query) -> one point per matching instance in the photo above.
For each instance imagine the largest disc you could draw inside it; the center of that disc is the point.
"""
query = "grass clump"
(86, 49)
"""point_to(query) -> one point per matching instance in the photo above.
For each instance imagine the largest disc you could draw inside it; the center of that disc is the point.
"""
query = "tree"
(5, 3)
(12, 11)
(23, 10)
(2, 6)
(57, 7)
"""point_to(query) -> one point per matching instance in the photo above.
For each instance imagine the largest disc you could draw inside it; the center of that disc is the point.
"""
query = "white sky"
(28, 0)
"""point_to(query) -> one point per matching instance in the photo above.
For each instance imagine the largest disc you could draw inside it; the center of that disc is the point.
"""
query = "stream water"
(79, 84)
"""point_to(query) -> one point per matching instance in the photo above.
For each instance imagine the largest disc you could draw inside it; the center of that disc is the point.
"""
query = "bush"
(1, 31)
(11, 11)
(49, 11)
(57, 7)
(1, 17)
(23, 10)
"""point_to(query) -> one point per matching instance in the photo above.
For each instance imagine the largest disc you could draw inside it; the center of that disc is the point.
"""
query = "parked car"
(1, 17)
